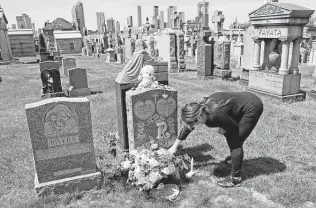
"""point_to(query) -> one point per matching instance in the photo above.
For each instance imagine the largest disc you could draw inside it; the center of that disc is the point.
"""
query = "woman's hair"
(191, 111)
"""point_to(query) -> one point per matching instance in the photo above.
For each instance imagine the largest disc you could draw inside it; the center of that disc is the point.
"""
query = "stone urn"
(274, 60)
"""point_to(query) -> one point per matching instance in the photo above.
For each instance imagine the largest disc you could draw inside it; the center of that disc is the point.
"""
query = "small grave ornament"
(147, 78)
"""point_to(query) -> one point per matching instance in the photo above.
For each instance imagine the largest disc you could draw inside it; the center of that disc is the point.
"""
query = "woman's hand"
(221, 131)
(172, 150)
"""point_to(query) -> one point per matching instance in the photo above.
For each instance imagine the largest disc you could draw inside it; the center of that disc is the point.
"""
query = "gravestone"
(151, 48)
(48, 65)
(120, 58)
(190, 51)
(151, 117)
(167, 44)
(106, 42)
(78, 83)
(56, 53)
(238, 51)
(180, 51)
(205, 56)
(161, 71)
(62, 144)
(51, 84)
(173, 64)
(129, 48)
(312, 59)
(222, 59)
(218, 19)
(249, 48)
(68, 63)
(122, 86)
(59, 59)
(110, 55)
(44, 56)
(247, 57)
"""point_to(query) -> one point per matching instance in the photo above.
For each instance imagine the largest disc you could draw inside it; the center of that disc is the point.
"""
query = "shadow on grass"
(252, 167)
(198, 153)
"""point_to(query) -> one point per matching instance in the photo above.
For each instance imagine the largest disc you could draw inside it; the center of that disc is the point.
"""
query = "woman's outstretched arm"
(185, 131)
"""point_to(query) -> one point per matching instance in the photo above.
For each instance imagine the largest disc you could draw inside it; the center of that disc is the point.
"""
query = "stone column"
(266, 52)
(295, 56)
(256, 53)
(284, 68)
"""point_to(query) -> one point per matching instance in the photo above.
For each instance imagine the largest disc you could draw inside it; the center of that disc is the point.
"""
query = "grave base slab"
(110, 60)
(294, 97)
(69, 185)
(244, 75)
(281, 85)
(312, 94)
(243, 82)
(205, 77)
(173, 67)
(223, 73)
(80, 92)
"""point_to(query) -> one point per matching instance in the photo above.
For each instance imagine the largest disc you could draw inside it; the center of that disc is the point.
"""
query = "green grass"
(279, 167)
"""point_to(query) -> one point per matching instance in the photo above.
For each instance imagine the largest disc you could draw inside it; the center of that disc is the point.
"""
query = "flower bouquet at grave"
(148, 168)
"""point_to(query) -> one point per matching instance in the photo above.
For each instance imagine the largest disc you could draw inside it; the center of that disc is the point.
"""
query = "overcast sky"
(41, 11)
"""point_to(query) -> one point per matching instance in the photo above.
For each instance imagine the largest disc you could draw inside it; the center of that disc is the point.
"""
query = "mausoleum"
(69, 42)
(22, 42)
(280, 27)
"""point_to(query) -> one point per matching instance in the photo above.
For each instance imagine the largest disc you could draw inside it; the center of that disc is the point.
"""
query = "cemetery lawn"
(279, 165)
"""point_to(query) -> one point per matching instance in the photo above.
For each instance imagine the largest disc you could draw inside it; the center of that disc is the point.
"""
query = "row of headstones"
(213, 57)
(110, 55)
(51, 83)
(62, 139)
(170, 48)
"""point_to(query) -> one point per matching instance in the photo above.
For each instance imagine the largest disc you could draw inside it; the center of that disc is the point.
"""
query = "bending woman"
(235, 113)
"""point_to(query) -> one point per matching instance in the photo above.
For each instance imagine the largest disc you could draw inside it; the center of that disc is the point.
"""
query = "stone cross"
(218, 20)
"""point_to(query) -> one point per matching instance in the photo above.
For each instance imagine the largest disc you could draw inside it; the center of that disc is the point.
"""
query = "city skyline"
(40, 13)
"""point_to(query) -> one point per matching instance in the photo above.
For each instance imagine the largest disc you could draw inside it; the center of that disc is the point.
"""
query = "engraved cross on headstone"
(218, 20)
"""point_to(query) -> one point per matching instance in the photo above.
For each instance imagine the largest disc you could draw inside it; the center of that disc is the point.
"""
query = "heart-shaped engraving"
(165, 107)
(144, 110)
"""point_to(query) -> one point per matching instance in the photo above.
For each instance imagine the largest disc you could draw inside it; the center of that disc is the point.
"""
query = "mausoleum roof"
(20, 32)
(282, 9)
(67, 34)
(59, 24)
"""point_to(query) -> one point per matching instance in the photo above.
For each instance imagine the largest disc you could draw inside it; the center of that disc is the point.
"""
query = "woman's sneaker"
(230, 182)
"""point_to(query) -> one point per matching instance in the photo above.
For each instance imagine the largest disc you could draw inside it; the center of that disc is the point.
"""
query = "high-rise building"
(155, 18)
(118, 27)
(78, 17)
(170, 17)
(162, 20)
(111, 25)
(130, 21)
(203, 14)
(101, 22)
(24, 22)
(156, 11)
(181, 17)
(139, 16)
